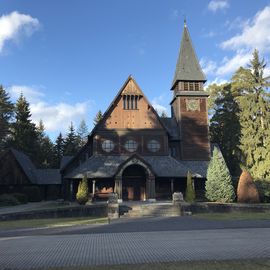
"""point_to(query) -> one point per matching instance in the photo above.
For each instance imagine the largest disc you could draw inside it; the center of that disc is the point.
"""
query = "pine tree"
(98, 117)
(6, 114)
(25, 135)
(71, 145)
(224, 124)
(82, 132)
(254, 117)
(218, 185)
(82, 194)
(45, 155)
(59, 150)
(190, 192)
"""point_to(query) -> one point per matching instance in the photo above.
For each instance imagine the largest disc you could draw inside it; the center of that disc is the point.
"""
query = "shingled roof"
(26, 165)
(187, 67)
(36, 176)
(163, 166)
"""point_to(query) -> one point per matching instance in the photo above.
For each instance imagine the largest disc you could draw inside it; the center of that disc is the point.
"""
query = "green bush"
(190, 192)
(82, 194)
(22, 198)
(263, 187)
(33, 193)
(218, 185)
(8, 200)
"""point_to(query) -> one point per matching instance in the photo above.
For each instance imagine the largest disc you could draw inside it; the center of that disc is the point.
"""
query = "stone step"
(157, 210)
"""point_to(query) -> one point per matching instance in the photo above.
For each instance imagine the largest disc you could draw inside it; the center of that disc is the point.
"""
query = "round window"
(153, 146)
(131, 145)
(107, 146)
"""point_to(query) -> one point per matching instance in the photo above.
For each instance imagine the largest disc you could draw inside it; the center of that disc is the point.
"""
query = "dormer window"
(130, 102)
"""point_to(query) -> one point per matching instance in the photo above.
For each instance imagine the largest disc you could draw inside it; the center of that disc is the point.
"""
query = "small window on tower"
(185, 86)
(191, 86)
(197, 86)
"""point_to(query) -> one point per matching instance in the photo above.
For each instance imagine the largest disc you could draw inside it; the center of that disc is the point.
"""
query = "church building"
(139, 155)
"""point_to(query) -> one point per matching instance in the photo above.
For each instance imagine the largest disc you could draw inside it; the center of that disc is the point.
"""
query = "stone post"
(71, 190)
(113, 207)
(93, 187)
(152, 188)
(118, 188)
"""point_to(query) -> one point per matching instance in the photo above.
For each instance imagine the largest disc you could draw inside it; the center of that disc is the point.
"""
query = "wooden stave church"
(140, 156)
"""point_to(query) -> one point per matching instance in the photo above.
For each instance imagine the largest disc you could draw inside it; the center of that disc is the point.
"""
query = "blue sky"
(70, 58)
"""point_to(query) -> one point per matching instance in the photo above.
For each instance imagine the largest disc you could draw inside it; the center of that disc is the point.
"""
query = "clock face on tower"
(193, 105)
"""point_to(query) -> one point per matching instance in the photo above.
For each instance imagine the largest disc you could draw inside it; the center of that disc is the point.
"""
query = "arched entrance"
(134, 183)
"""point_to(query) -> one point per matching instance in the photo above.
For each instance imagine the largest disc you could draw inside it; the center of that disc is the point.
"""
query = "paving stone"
(130, 248)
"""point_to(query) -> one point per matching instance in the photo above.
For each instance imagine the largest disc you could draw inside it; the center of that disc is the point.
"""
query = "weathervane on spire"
(185, 21)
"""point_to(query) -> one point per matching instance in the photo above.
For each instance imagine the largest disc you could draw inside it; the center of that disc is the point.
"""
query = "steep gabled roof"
(130, 78)
(36, 176)
(26, 165)
(107, 112)
(187, 67)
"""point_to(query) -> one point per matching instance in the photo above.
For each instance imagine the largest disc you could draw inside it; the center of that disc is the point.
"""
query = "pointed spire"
(187, 67)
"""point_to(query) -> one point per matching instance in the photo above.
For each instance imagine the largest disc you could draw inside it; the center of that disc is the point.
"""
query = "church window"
(107, 146)
(153, 146)
(131, 145)
(197, 86)
(185, 86)
(124, 102)
(136, 102)
(191, 86)
(130, 102)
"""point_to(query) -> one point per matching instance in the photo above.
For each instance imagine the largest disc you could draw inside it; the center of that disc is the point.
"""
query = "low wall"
(225, 207)
(65, 212)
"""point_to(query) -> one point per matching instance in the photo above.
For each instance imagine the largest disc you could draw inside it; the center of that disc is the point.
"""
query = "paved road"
(136, 247)
(143, 225)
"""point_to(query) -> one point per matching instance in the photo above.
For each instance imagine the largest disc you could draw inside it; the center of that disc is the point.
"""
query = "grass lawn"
(52, 222)
(234, 216)
(204, 265)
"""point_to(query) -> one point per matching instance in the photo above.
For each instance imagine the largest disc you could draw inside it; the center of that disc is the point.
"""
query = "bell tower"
(189, 103)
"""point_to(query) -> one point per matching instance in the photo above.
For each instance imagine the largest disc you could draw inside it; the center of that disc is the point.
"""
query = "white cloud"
(216, 5)
(231, 65)
(255, 34)
(217, 80)
(208, 66)
(14, 24)
(160, 104)
(32, 93)
(56, 117)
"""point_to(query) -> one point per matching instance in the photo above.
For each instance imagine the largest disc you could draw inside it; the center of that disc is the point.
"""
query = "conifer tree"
(58, 150)
(82, 194)
(6, 114)
(163, 114)
(71, 145)
(82, 132)
(25, 135)
(218, 185)
(224, 124)
(254, 117)
(190, 192)
(45, 155)
(98, 117)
